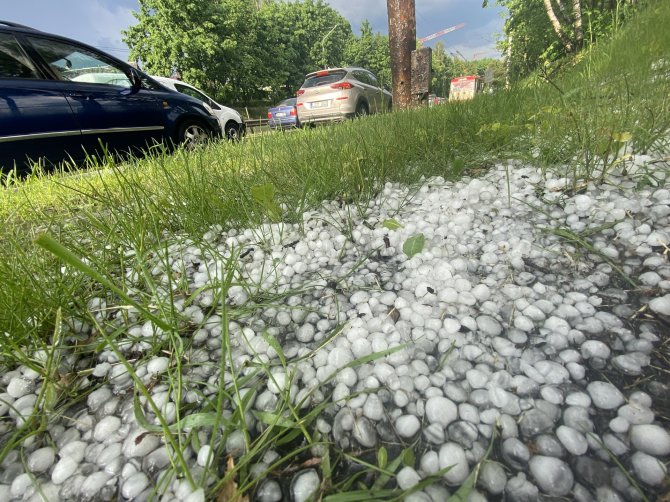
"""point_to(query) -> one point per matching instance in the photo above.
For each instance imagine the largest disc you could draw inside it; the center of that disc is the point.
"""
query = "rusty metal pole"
(402, 41)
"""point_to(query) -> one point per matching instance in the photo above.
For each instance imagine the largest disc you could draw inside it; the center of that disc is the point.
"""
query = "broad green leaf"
(197, 420)
(265, 196)
(194, 421)
(414, 245)
(408, 457)
(263, 193)
(622, 137)
(391, 224)
(382, 458)
(274, 419)
(552, 110)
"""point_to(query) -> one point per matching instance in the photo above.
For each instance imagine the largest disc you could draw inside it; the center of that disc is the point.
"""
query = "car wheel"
(232, 131)
(362, 109)
(192, 133)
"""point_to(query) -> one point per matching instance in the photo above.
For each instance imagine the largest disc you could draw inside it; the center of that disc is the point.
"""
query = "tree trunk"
(556, 24)
(402, 41)
(577, 16)
(561, 9)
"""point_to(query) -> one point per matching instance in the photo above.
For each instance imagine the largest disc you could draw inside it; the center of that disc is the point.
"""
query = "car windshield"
(324, 78)
(288, 102)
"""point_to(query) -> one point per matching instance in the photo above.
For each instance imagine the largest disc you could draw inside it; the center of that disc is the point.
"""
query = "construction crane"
(457, 55)
(440, 33)
(482, 53)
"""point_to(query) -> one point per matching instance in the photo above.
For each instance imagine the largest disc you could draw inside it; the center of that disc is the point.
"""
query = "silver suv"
(340, 93)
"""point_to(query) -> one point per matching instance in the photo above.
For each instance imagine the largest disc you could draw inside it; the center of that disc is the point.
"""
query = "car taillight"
(342, 85)
(294, 112)
(300, 92)
(269, 115)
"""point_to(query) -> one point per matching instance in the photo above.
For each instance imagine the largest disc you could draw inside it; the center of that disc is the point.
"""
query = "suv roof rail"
(15, 25)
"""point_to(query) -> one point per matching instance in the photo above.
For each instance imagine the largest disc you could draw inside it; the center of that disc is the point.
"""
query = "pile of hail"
(510, 326)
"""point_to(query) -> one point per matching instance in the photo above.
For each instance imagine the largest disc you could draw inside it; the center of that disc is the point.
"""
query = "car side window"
(184, 89)
(13, 61)
(366, 78)
(372, 80)
(77, 64)
(360, 76)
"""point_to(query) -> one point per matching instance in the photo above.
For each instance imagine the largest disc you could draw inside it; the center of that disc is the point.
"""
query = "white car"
(232, 125)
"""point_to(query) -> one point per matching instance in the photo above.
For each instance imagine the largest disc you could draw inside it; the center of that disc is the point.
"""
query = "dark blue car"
(61, 99)
(284, 115)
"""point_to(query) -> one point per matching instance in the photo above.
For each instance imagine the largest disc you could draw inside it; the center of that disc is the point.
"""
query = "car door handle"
(79, 96)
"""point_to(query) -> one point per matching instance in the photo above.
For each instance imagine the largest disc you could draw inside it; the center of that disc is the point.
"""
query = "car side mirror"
(135, 79)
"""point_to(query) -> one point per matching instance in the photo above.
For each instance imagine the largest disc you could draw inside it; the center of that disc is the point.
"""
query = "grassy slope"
(574, 125)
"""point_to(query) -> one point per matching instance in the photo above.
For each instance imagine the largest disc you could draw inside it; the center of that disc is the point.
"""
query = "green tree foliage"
(309, 35)
(539, 33)
(238, 50)
(370, 51)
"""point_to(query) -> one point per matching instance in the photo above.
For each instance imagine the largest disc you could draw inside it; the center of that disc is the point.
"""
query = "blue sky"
(99, 22)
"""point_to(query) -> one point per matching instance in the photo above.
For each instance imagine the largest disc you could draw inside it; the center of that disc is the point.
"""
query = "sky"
(99, 22)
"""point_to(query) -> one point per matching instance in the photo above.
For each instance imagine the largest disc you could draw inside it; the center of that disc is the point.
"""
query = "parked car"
(435, 100)
(232, 125)
(340, 93)
(284, 115)
(61, 99)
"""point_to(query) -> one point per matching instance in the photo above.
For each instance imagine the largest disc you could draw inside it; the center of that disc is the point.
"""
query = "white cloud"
(95, 22)
(358, 11)
(109, 21)
(481, 25)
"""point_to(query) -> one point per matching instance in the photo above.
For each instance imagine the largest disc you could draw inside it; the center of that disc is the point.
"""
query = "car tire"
(232, 131)
(192, 133)
(362, 109)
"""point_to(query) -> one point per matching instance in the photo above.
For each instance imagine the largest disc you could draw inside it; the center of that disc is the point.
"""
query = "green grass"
(111, 225)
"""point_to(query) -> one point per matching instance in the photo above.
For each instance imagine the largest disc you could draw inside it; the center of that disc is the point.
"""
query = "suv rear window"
(328, 78)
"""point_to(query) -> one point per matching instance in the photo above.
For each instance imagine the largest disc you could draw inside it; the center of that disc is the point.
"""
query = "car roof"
(20, 28)
(344, 68)
(11, 24)
(169, 80)
(172, 81)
